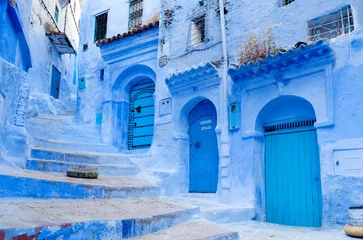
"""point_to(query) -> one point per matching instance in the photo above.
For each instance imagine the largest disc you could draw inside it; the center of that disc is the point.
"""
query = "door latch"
(138, 109)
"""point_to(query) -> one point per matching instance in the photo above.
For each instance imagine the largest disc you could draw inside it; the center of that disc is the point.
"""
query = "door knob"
(138, 109)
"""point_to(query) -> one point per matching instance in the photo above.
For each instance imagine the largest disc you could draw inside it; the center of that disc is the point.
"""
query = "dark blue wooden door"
(54, 88)
(141, 115)
(293, 189)
(204, 157)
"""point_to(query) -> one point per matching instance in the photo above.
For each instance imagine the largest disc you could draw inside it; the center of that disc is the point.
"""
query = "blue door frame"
(141, 115)
(54, 88)
(293, 185)
(203, 149)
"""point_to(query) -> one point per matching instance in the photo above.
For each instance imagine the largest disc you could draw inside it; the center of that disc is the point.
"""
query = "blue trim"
(318, 51)
(14, 16)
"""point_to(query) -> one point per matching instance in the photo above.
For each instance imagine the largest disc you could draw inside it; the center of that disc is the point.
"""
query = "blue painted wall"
(15, 62)
(332, 87)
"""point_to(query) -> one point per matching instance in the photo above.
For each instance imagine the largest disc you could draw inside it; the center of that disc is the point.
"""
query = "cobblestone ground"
(252, 230)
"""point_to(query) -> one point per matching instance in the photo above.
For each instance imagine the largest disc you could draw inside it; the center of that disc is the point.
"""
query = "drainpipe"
(225, 147)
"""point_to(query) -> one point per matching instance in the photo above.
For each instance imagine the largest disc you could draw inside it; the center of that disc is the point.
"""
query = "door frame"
(284, 127)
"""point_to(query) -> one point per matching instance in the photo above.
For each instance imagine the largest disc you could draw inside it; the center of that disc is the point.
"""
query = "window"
(197, 34)
(100, 26)
(56, 14)
(287, 2)
(331, 25)
(136, 10)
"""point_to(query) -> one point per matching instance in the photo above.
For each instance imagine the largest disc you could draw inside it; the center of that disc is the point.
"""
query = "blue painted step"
(62, 167)
(202, 230)
(117, 219)
(80, 157)
(74, 146)
(44, 185)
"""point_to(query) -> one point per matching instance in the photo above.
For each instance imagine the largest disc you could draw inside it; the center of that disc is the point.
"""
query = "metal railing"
(331, 25)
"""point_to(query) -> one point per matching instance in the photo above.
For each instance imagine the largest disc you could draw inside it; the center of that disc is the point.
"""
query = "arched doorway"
(292, 163)
(141, 115)
(203, 149)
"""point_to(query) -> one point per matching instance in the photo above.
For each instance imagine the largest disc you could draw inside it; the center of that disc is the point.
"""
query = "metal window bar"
(198, 34)
(331, 25)
(287, 2)
(289, 125)
(101, 26)
(136, 11)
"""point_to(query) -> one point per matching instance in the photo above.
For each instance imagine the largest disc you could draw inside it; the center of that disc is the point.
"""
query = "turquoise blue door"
(141, 115)
(293, 188)
(54, 88)
(203, 155)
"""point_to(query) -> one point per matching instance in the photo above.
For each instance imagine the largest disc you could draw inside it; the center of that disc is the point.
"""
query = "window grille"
(197, 34)
(56, 14)
(285, 126)
(136, 11)
(287, 2)
(332, 25)
(101, 26)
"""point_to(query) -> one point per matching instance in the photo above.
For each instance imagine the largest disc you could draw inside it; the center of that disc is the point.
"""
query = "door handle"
(197, 144)
(138, 109)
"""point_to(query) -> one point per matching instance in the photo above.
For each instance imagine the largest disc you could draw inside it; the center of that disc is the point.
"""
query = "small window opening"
(102, 75)
(197, 35)
(56, 14)
(331, 25)
(100, 26)
(136, 11)
(287, 2)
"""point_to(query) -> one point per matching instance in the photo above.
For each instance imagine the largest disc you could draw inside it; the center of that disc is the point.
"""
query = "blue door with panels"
(292, 168)
(203, 155)
(141, 115)
(54, 88)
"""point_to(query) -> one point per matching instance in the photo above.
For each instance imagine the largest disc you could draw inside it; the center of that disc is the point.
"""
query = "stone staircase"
(40, 202)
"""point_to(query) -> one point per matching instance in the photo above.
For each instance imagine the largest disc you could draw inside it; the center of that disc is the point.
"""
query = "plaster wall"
(90, 99)
(338, 116)
(45, 55)
(14, 83)
(333, 90)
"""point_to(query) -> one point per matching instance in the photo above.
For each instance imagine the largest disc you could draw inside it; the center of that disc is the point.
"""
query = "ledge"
(194, 79)
(315, 54)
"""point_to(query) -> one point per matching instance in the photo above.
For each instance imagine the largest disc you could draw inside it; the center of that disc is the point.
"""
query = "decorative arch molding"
(128, 78)
(287, 108)
(116, 109)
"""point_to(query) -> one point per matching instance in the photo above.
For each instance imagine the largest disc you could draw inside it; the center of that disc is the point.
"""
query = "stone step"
(17, 183)
(193, 231)
(62, 167)
(85, 131)
(65, 137)
(89, 219)
(74, 146)
(81, 157)
(214, 211)
(66, 118)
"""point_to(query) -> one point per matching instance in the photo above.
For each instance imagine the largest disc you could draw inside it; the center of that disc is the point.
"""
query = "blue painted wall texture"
(15, 61)
(322, 80)
(182, 53)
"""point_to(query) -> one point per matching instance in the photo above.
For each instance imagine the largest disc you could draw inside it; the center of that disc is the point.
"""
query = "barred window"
(136, 11)
(100, 26)
(287, 2)
(197, 34)
(331, 25)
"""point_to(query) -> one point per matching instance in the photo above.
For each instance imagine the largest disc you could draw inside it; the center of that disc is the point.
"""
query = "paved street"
(252, 230)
